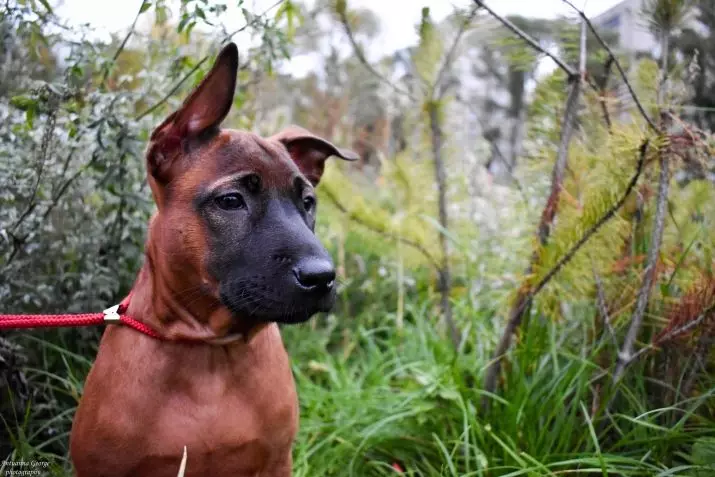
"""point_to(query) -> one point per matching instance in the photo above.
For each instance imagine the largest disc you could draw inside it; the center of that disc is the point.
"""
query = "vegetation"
(525, 260)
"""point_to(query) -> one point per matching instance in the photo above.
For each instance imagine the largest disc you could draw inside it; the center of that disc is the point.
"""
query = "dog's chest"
(235, 418)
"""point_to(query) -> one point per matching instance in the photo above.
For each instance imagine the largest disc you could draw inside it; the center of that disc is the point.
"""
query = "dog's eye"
(231, 201)
(309, 203)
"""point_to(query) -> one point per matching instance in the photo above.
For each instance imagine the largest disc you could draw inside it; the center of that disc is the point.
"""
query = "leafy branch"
(528, 39)
(620, 69)
(203, 60)
(526, 293)
(385, 233)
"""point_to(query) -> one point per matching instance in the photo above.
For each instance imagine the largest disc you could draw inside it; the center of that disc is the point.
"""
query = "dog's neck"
(181, 306)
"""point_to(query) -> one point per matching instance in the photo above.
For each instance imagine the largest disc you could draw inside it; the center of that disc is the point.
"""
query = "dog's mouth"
(255, 299)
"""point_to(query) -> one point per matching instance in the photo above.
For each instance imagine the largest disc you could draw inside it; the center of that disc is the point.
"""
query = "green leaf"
(23, 102)
(145, 6)
(47, 6)
(30, 117)
(182, 23)
(189, 28)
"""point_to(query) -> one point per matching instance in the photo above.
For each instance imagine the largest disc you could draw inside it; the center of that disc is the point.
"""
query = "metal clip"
(111, 315)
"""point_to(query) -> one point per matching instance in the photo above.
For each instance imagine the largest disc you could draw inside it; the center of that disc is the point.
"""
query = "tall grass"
(408, 399)
(374, 398)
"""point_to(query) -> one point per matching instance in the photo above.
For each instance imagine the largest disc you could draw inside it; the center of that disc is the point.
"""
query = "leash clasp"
(111, 315)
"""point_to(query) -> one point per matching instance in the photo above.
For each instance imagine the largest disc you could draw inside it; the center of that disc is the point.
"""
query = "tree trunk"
(445, 276)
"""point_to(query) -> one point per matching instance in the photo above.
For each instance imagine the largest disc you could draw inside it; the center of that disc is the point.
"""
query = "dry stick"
(674, 333)
(621, 71)
(528, 39)
(603, 308)
(524, 296)
(624, 356)
(649, 274)
(342, 13)
(702, 349)
(601, 94)
(203, 60)
(709, 311)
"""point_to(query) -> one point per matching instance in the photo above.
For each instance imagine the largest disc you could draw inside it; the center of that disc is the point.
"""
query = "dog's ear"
(201, 112)
(309, 151)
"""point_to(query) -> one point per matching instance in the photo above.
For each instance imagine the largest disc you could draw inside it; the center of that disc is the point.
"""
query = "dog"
(231, 252)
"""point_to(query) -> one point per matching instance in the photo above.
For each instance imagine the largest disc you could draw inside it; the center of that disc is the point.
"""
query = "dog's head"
(236, 212)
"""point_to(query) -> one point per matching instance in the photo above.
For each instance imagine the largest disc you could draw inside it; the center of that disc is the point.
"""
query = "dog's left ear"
(201, 112)
(309, 151)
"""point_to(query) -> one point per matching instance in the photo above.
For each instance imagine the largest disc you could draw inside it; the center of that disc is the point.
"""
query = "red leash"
(113, 315)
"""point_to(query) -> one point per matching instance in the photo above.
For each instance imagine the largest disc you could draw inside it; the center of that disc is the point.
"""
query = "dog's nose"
(315, 273)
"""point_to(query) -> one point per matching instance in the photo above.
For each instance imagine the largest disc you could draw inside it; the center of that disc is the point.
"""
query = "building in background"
(626, 19)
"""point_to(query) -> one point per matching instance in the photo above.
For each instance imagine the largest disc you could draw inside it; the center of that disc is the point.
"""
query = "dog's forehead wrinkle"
(246, 152)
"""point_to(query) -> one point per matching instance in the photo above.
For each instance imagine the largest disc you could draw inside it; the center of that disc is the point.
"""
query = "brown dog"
(230, 252)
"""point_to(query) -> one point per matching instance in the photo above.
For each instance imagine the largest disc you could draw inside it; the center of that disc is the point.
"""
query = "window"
(613, 22)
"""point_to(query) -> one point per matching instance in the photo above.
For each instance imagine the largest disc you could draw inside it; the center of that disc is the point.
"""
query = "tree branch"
(342, 13)
(603, 308)
(203, 60)
(620, 69)
(528, 39)
(124, 42)
(707, 313)
(624, 356)
(651, 268)
(452, 50)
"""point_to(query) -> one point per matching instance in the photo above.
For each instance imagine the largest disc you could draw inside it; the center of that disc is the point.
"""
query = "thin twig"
(411, 243)
(673, 334)
(621, 71)
(528, 39)
(557, 179)
(173, 90)
(666, 338)
(452, 50)
(43, 153)
(203, 60)
(124, 42)
(601, 93)
(361, 55)
(603, 308)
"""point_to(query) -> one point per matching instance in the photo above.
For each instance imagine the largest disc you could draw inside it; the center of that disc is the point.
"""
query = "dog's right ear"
(202, 112)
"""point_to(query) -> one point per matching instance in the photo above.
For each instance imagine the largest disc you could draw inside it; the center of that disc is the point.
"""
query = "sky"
(398, 17)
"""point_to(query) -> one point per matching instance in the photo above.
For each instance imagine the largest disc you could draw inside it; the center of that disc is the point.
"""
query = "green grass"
(372, 396)
(407, 398)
